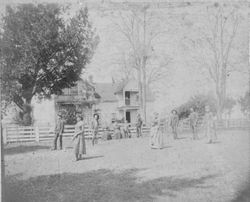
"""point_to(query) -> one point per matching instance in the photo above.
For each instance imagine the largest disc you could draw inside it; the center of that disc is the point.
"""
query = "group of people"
(123, 130)
(79, 137)
(158, 130)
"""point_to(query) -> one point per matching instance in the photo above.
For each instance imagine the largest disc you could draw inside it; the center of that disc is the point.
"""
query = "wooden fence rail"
(43, 133)
(223, 124)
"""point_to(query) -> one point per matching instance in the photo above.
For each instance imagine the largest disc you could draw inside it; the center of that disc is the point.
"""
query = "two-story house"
(79, 99)
(110, 100)
(127, 94)
(121, 101)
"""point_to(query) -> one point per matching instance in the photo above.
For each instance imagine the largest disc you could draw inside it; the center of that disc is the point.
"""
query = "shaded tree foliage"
(198, 103)
(41, 53)
(245, 103)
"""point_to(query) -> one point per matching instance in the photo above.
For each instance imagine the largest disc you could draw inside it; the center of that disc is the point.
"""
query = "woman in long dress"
(79, 139)
(156, 133)
(95, 127)
(174, 121)
(210, 125)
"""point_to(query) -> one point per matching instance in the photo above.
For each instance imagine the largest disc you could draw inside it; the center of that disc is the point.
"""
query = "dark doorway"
(128, 117)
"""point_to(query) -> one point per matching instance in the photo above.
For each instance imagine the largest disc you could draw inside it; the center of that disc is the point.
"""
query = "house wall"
(44, 112)
(133, 114)
(131, 86)
(120, 99)
(107, 109)
(134, 98)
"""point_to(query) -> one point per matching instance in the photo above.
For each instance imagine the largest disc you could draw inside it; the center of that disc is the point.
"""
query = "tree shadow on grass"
(101, 185)
(244, 194)
(24, 149)
(90, 157)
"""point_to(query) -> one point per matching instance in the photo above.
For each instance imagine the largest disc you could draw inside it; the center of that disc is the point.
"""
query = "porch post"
(124, 115)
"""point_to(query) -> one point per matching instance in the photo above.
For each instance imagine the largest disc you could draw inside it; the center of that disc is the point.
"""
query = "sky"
(185, 78)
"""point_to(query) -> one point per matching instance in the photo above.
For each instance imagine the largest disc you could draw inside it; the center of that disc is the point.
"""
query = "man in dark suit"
(59, 127)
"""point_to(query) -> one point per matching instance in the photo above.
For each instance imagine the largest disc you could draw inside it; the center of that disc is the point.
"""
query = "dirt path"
(183, 171)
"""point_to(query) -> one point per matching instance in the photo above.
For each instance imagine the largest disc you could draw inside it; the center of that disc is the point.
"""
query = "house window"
(127, 97)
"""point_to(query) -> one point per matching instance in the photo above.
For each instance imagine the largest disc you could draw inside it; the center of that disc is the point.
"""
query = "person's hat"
(174, 111)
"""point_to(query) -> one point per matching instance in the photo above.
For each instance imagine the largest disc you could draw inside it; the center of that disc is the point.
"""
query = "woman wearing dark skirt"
(79, 139)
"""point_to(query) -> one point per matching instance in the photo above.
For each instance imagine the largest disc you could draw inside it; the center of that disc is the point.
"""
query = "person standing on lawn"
(193, 118)
(117, 130)
(79, 139)
(210, 125)
(157, 133)
(139, 126)
(174, 121)
(126, 130)
(95, 127)
(59, 127)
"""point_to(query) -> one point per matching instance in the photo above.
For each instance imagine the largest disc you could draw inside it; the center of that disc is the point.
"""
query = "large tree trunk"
(144, 90)
(140, 89)
(220, 101)
(27, 112)
(2, 154)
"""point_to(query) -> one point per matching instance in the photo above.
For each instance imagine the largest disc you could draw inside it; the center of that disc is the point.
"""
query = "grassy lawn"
(128, 170)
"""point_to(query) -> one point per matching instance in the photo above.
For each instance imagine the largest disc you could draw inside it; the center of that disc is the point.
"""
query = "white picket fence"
(223, 124)
(42, 133)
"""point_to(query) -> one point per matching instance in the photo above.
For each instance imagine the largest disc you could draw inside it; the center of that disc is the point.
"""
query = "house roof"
(106, 91)
(120, 86)
(132, 85)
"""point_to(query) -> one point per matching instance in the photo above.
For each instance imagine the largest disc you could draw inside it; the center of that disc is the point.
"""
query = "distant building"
(107, 106)
(79, 99)
(110, 100)
(121, 101)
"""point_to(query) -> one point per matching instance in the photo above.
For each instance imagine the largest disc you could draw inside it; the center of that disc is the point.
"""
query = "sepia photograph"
(125, 101)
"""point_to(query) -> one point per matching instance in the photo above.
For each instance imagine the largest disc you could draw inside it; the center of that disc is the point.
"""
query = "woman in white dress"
(79, 139)
(210, 125)
(156, 133)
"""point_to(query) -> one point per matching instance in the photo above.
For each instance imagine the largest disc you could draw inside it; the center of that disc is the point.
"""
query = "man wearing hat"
(59, 127)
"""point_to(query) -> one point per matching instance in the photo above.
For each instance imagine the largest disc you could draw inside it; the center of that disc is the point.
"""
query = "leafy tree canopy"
(198, 103)
(41, 53)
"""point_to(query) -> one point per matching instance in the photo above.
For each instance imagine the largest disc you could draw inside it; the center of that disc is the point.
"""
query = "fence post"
(5, 135)
(37, 133)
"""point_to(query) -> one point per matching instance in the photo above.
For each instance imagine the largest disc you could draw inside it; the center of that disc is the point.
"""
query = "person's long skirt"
(211, 132)
(157, 141)
(80, 146)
